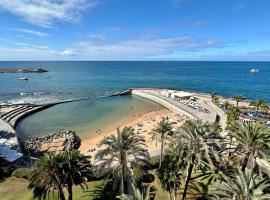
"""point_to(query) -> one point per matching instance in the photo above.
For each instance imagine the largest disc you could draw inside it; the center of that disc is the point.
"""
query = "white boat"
(254, 70)
(23, 78)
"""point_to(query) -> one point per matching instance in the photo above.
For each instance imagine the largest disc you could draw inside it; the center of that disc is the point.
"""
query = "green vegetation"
(138, 195)
(169, 173)
(244, 185)
(226, 105)
(199, 163)
(22, 173)
(198, 137)
(160, 133)
(56, 171)
(232, 116)
(214, 97)
(253, 142)
(116, 155)
(5, 169)
(16, 189)
(259, 105)
(239, 98)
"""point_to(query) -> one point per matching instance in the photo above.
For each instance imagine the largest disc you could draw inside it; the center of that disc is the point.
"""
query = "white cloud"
(45, 12)
(141, 48)
(33, 32)
(67, 52)
(22, 51)
(133, 49)
(26, 45)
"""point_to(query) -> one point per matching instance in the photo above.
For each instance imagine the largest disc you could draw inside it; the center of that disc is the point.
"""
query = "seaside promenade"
(214, 112)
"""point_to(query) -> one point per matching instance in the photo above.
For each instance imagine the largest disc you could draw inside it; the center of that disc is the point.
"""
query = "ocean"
(93, 80)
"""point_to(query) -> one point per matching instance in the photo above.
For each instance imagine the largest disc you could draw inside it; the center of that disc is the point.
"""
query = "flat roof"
(181, 94)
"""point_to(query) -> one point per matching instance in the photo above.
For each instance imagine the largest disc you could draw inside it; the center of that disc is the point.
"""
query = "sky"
(195, 30)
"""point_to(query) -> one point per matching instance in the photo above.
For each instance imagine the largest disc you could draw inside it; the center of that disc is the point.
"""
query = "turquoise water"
(85, 117)
(73, 80)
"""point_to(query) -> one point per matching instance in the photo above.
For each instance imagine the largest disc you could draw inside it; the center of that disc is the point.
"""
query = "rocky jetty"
(55, 142)
(22, 70)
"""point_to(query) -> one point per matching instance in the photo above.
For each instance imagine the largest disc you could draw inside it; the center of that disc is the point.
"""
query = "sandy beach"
(148, 120)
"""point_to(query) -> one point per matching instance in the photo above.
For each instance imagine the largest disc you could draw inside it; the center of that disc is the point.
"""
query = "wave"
(32, 93)
(43, 97)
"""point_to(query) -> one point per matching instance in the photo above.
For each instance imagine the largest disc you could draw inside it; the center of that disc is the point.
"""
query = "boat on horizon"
(254, 70)
(23, 78)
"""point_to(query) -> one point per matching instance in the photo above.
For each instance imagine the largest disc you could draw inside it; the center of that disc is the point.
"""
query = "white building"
(181, 95)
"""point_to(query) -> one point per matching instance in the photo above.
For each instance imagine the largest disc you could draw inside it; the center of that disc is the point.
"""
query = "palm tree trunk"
(70, 195)
(190, 168)
(229, 153)
(61, 193)
(161, 151)
(245, 162)
(170, 195)
(175, 192)
(122, 180)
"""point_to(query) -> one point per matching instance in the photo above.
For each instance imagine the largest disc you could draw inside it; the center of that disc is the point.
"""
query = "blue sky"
(135, 30)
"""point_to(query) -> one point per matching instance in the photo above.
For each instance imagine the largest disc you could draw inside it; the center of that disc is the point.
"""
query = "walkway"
(155, 95)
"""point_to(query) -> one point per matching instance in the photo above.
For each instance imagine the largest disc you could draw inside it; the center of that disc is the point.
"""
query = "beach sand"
(148, 120)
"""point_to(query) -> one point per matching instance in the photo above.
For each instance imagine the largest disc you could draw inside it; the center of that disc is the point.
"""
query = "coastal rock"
(54, 142)
(22, 70)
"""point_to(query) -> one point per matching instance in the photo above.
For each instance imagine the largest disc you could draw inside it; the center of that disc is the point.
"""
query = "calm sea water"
(85, 117)
(91, 79)
(72, 80)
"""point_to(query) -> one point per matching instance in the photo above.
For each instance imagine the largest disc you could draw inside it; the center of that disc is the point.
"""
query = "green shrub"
(6, 169)
(22, 173)
(154, 162)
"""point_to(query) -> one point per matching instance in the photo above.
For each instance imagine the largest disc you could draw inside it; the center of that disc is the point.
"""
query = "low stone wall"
(220, 112)
(163, 103)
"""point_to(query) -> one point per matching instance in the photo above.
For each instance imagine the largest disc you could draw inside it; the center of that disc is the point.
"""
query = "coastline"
(89, 142)
(91, 139)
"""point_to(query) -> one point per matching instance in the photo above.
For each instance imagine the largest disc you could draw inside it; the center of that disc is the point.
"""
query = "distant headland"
(22, 70)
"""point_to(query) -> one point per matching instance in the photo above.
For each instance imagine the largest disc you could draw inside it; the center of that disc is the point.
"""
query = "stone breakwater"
(22, 70)
(55, 142)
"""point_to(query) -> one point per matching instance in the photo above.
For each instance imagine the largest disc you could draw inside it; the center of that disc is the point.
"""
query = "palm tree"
(259, 104)
(200, 190)
(226, 105)
(119, 150)
(216, 127)
(251, 141)
(214, 97)
(232, 115)
(76, 168)
(239, 98)
(138, 195)
(242, 186)
(200, 140)
(47, 176)
(170, 171)
(160, 133)
(59, 170)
